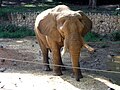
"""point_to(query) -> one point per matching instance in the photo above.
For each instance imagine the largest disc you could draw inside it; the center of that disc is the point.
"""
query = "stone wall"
(103, 23)
(23, 19)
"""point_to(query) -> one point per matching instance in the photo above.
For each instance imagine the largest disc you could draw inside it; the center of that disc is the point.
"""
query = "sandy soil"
(16, 75)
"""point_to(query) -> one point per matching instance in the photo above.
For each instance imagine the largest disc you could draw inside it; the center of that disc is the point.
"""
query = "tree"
(0, 3)
(92, 3)
(18, 2)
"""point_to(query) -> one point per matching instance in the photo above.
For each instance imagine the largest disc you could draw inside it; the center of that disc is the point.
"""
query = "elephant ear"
(86, 22)
(48, 26)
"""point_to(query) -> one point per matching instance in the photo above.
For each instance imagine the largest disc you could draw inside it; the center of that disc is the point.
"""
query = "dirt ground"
(27, 50)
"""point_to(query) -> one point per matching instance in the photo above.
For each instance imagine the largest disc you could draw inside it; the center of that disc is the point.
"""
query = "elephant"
(62, 27)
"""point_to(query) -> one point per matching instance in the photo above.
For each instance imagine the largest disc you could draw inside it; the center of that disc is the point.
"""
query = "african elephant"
(62, 27)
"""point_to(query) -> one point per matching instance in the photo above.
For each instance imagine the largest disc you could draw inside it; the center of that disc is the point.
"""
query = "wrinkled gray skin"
(61, 27)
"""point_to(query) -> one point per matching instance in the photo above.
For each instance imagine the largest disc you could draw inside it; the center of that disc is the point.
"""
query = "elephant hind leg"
(44, 50)
(46, 66)
(45, 59)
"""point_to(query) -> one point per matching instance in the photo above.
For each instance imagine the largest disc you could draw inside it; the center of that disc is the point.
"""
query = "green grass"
(12, 31)
(115, 35)
(92, 37)
(25, 8)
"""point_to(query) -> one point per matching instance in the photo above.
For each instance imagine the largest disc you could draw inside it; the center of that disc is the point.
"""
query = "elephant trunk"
(75, 46)
(75, 49)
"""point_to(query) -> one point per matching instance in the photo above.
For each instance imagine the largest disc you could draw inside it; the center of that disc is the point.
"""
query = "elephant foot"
(58, 72)
(81, 76)
(77, 77)
(46, 68)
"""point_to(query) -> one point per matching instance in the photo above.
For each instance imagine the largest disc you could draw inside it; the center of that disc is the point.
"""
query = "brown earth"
(29, 57)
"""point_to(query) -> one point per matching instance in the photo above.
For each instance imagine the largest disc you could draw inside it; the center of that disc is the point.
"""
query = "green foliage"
(115, 35)
(12, 31)
(92, 37)
(25, 8)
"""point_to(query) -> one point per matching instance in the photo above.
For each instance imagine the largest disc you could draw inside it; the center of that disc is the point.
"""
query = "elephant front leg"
(77, 71)
(75, 64)
(57, 61)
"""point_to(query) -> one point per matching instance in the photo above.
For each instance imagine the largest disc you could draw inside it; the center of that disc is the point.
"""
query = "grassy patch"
(12, 31)
(92, 37)
(115, 35)
(25, 8)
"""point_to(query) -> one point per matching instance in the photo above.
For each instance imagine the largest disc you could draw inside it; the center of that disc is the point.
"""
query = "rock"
(14, 63)
(2, 69)
(1, 46)
(32, 45)
(3, 60)
(109, 56)
(2, 86)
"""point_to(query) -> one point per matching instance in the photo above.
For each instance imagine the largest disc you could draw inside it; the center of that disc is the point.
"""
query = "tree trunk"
(0, 3)
(18, 2)
(92, 3)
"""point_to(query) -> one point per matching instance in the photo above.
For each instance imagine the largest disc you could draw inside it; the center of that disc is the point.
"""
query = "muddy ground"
(28, 55)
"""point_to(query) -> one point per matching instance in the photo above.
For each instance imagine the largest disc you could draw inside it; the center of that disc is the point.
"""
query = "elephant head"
(70, 22)
(66, 28)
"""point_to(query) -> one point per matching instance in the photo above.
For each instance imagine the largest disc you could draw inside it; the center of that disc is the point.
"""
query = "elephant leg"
(45, 59)
(76, 70)
(75, 64)
(62, 65)
(57, 61)
(44, 53)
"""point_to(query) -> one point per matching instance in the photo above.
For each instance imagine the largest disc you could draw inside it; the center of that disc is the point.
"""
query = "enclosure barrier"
(103, 23)
(66, 66)
(108, 83)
